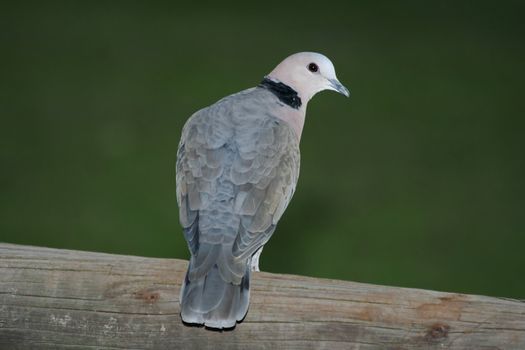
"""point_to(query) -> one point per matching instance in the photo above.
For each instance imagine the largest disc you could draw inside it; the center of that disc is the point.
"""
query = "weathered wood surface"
(55, 299)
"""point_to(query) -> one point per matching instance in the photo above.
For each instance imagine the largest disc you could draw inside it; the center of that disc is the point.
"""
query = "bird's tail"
(211, 301)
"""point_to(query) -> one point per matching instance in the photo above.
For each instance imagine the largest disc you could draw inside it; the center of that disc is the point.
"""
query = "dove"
(237, 169)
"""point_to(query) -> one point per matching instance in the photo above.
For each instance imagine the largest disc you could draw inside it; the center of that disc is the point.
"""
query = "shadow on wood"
(51, 298)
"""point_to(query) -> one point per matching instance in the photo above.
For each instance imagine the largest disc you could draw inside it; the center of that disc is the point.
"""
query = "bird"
(236, 171)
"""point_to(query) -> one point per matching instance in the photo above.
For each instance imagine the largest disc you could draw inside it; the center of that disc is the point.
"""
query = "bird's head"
(308, 73)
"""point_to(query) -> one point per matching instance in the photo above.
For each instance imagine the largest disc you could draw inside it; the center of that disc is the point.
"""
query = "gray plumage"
(237, 167)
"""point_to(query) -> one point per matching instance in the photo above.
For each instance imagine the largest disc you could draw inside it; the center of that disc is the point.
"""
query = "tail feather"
(203, 260)
(211, 301)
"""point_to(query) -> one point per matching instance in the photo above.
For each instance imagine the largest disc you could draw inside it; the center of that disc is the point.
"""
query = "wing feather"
(237, 167)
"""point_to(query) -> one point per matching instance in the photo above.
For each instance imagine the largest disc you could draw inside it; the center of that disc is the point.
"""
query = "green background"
(417, 180)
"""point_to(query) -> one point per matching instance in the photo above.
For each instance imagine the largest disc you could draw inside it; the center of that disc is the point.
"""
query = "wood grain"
(63, 299)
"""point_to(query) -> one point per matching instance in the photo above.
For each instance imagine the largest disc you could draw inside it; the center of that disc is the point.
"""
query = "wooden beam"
(55, 299)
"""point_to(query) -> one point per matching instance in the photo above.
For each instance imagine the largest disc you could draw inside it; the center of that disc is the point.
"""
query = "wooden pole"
(55, 299)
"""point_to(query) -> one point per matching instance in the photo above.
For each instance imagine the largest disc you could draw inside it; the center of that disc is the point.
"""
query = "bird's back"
(237, 167)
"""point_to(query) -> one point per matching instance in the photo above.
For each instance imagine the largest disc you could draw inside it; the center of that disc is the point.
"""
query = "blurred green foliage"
(417, 180)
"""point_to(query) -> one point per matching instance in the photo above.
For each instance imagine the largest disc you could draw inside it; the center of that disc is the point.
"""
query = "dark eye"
(312, 67)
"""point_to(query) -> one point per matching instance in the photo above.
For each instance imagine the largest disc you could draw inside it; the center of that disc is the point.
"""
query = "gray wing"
(237, 168)
(266, 170)
(201, 160)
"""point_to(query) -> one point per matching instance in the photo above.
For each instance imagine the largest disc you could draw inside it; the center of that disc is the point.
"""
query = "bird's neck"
(282, 91)
(294, 110)
(294, 118)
